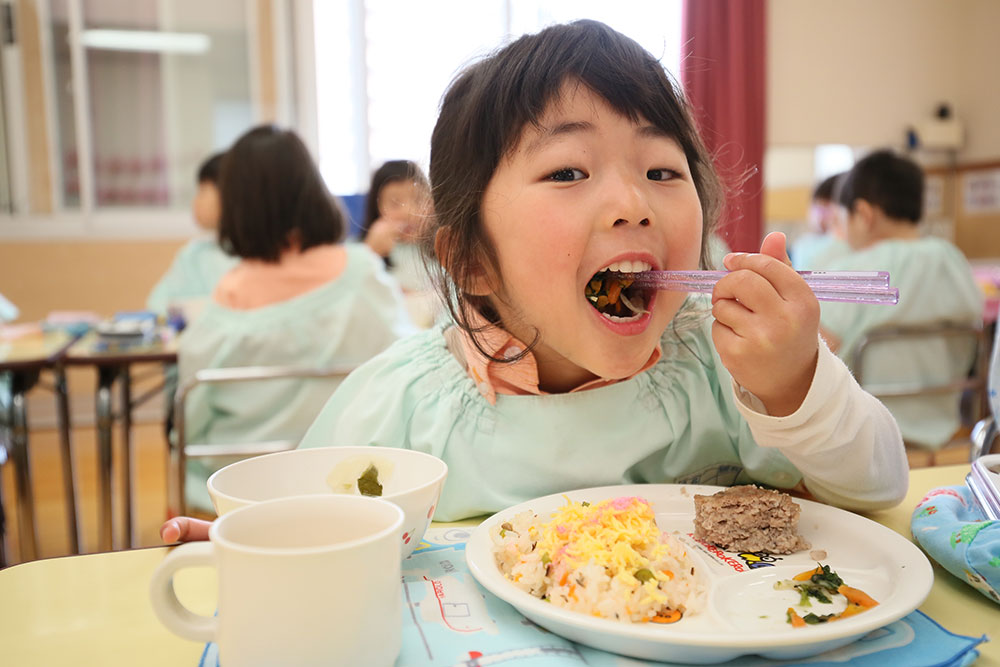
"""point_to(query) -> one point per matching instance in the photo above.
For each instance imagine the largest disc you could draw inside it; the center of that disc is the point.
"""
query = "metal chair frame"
(975, 380)
(181, 450)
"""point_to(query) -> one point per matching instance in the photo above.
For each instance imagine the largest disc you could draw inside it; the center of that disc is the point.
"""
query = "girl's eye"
(567, 174)
(661, 174)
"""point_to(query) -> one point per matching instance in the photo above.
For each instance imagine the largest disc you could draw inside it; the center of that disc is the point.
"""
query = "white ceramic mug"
(305, 580)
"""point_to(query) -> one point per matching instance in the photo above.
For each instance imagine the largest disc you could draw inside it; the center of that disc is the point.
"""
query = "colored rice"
(608, 560)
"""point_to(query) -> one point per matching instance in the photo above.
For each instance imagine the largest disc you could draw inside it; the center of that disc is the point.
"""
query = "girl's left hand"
(766, 327)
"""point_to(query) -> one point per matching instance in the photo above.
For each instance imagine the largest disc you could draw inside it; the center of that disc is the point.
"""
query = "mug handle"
(179, 619)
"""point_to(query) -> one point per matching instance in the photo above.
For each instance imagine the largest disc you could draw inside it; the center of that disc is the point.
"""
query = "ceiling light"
(146, 40)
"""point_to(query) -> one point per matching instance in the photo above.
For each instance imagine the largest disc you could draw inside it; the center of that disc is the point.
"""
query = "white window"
(383, 65)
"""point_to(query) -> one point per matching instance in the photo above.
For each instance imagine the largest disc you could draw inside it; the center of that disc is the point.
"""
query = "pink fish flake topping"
(624, 502)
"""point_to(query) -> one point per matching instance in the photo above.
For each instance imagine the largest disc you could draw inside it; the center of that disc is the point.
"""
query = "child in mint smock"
(200, 263)
(823, 242)
(547, 380)
(298, 297)
(883, 194)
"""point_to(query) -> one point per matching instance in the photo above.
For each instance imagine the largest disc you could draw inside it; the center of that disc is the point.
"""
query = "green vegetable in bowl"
(368, 483)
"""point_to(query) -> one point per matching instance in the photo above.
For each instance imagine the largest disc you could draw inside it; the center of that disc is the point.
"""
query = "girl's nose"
(622, 221)
(628, 203)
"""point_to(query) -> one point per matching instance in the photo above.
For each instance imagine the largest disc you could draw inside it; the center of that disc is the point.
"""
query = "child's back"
(339, 324)
(935, 285)
(883, 195)
(297, 297)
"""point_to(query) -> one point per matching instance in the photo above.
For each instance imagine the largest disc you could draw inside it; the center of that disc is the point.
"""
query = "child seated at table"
(824, 241)
(197, 267)
(563, 155)
(297, 297)
(396, 207)
(883, 195)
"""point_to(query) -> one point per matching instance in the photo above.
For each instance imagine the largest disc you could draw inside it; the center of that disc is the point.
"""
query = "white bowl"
(412, 480)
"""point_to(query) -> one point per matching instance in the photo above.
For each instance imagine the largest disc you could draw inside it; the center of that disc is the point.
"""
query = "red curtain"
(723, 73)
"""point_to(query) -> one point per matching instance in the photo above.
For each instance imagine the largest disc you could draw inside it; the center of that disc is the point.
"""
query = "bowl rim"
(437, 479)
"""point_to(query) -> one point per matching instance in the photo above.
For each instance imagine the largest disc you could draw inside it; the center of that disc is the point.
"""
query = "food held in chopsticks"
(612, 293)
(823, 586)
(608, 560)
(749, 519)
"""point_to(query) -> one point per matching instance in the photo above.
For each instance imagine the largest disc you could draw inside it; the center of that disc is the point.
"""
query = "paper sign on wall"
(981, 192)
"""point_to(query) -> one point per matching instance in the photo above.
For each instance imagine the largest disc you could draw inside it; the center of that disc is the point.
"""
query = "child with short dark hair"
(297, 297)
(200, 263)
(824, 241)
(396, 206)
(883, 195)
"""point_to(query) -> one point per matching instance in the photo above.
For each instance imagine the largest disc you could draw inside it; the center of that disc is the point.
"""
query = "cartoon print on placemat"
(967, 533)
(943, 491)
(981, 585)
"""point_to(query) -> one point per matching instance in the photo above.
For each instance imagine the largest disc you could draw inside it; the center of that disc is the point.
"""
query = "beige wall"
(103, 276)
(980, 101)
(859, 72)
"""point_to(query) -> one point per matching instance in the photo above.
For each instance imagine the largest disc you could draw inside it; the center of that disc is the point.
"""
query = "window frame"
(90, 222)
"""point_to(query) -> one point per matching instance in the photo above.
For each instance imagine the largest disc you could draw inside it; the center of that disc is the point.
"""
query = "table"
(94, 609)
(114, 364)
(22, 359)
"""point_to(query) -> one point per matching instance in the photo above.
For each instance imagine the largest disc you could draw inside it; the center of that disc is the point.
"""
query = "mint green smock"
(815, 252)
(935, 284)
(345, 322)
(192, 276)
(675, 422)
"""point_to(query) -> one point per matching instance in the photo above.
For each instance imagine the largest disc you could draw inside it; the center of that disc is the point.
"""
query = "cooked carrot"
(564, 578)
(796, 620)
(614, 289)
(806, 576)
(669, 616)
(851, 610)
(856, 596)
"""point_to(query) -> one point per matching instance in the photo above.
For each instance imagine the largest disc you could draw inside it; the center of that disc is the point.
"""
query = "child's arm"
(795, 394)
(842, 440)
(184, 529)
(766, 326)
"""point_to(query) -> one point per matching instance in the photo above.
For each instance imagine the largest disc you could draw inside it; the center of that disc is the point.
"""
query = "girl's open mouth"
(613, 294)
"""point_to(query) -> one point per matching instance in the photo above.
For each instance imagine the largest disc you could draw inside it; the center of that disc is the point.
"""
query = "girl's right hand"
(766, 326)
(184, 529)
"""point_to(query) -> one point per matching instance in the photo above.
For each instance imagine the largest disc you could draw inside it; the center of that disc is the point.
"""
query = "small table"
(23, 358)
(95, 609)
(114, 363)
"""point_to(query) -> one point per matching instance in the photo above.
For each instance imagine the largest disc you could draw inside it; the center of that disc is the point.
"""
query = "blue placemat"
(449, 620)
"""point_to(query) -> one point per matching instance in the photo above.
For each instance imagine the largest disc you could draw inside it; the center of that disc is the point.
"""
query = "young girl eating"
(565, 155)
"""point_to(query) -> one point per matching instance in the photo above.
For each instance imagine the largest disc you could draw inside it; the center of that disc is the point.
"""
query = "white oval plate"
(743, 614)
